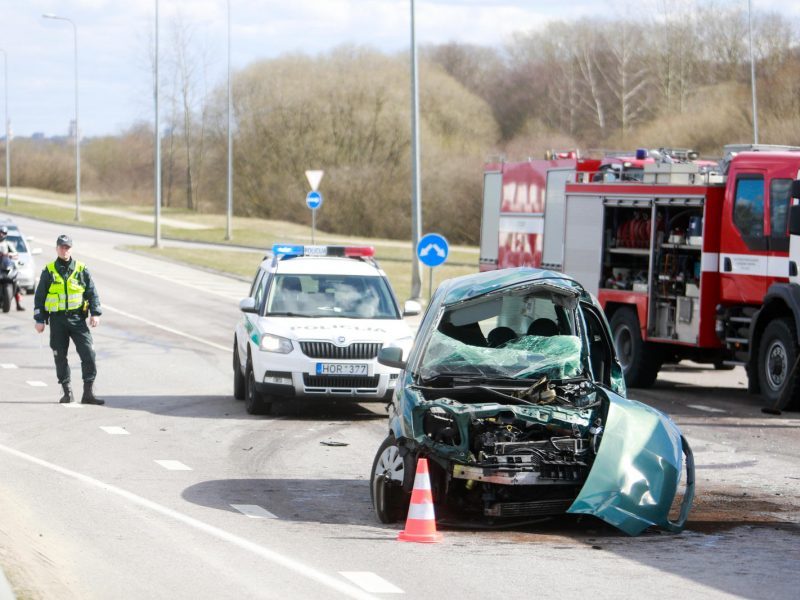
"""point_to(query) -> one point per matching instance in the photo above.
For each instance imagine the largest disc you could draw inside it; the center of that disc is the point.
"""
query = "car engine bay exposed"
(527, 457)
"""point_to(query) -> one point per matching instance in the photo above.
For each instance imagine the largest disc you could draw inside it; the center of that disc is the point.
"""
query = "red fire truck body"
(687, 263)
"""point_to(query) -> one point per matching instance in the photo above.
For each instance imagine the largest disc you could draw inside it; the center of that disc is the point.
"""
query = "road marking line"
(370, 582)
(7, 366)
(173, 465)
(254, 511)
(705, 408)
(36, 383)
(262, 551)
(73, 405)
(112, 430)
(169, 329)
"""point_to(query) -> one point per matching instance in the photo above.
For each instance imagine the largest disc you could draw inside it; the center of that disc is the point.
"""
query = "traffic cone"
(421, 522)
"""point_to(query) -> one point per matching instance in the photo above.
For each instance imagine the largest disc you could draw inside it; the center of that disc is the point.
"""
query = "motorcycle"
(8, 282)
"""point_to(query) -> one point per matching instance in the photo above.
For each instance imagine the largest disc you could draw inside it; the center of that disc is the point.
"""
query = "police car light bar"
(291, 250)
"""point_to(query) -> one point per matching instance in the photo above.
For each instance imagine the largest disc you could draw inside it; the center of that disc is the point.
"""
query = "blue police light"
(288, 249)
(641, 153)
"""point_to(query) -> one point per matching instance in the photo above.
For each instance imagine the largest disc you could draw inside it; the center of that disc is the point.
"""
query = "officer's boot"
(88, 394)
(67, 397)
(18, 298)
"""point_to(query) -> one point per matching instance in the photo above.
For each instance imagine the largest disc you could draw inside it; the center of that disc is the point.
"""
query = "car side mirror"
(35, 251)
(411, 308)
(794, 219)
(391, 357)
(247, 305)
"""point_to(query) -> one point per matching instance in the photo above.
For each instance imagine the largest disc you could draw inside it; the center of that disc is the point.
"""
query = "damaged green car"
(514, 394)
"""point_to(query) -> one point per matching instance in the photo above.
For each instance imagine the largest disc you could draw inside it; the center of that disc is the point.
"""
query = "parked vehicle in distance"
(312, 327)
(514, 393)
(26, 265)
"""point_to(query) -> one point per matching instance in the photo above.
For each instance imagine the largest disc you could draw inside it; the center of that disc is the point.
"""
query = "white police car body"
(312, 326)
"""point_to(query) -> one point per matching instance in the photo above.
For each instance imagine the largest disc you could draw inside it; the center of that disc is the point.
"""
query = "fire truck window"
(748, 211)
(779, 196)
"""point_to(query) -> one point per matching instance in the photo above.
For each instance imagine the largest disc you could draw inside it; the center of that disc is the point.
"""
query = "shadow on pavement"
(225, 407)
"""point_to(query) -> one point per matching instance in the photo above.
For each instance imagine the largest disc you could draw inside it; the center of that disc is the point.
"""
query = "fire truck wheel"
(640, 361)
(776, 356)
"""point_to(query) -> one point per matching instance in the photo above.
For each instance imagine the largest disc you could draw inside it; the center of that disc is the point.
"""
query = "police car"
(312, 326)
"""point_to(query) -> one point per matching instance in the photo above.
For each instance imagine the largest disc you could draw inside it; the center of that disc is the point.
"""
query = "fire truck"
(690, 259)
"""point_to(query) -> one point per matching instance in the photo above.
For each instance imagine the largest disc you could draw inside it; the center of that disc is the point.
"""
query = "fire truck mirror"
(794, 219)
(796, 188)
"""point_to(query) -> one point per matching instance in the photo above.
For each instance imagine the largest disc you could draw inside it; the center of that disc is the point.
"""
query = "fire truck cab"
(692, 261)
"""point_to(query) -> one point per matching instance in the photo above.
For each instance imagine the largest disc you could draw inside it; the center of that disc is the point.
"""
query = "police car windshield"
(345, 296)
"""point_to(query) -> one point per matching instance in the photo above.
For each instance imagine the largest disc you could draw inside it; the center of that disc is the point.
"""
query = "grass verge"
(243, 264)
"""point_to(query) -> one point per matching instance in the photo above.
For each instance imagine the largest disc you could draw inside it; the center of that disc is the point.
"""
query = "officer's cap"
(64, 240)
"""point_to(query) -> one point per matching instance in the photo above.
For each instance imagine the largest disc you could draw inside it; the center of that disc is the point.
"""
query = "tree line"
(676, 76)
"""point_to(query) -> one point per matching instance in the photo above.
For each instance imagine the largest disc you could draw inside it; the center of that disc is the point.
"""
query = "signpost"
(314, 198)
(432, 251)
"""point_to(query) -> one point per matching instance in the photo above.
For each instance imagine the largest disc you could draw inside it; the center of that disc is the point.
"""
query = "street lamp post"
(229, 212)
(8, 125)
(157, 142)
(416, 191)
(77, 123)
(752, 72)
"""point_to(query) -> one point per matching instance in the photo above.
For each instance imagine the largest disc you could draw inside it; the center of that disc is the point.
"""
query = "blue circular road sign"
(432, 249)
(314, 199)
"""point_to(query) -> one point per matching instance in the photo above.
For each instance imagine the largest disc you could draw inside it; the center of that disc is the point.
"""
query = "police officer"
(66, 296)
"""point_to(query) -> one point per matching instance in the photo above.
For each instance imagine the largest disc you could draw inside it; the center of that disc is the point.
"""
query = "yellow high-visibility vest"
(62, 297)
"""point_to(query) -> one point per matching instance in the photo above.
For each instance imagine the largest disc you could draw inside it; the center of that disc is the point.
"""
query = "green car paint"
(636, 472)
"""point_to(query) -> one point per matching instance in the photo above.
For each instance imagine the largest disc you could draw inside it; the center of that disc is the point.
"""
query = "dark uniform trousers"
(71, 325)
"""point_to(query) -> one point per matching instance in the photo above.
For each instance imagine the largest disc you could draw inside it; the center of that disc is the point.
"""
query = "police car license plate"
(342, 369)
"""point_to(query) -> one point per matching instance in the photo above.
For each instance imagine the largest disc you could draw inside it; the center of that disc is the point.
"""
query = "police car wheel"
(254, 402)
(238, 379)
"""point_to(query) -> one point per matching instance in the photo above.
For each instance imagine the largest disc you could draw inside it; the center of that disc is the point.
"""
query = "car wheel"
(776, 357)
(7, 294)
(254, 402)
(392, 473)
(238, 379)
(640, 361)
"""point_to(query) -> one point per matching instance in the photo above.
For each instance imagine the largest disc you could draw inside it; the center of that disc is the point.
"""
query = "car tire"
(254, 402)
(640, 361)
(6, 295)
(777, 354)
(238, 378)
(392, 474)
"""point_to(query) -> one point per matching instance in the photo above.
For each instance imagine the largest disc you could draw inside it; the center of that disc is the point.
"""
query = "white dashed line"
(7, 366)
(36, 383)
(372, 583)
(73, 405)
(705, 408)
(254, 511)
(115, 430)
(173, 465)
(275, 557)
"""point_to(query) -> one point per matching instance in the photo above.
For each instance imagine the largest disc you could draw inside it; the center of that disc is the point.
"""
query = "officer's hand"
(94, 321)
(39, 327)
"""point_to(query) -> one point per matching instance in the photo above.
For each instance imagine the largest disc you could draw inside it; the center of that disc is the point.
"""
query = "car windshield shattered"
(521, 335)
(350, 296)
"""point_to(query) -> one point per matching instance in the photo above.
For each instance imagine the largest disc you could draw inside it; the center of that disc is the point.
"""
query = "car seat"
(499, 336)
(544, 327)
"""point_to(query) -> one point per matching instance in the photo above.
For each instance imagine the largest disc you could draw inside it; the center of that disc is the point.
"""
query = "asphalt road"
(172, 491)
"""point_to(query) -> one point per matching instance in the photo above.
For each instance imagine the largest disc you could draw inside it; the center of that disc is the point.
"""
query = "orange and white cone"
(421, 521)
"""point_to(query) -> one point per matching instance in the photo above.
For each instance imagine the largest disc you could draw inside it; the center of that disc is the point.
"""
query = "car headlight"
(275, 343)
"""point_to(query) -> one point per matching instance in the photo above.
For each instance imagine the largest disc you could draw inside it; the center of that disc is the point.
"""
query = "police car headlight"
(275, 343)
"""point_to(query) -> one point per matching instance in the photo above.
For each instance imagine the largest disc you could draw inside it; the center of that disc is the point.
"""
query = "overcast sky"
(113, 39)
